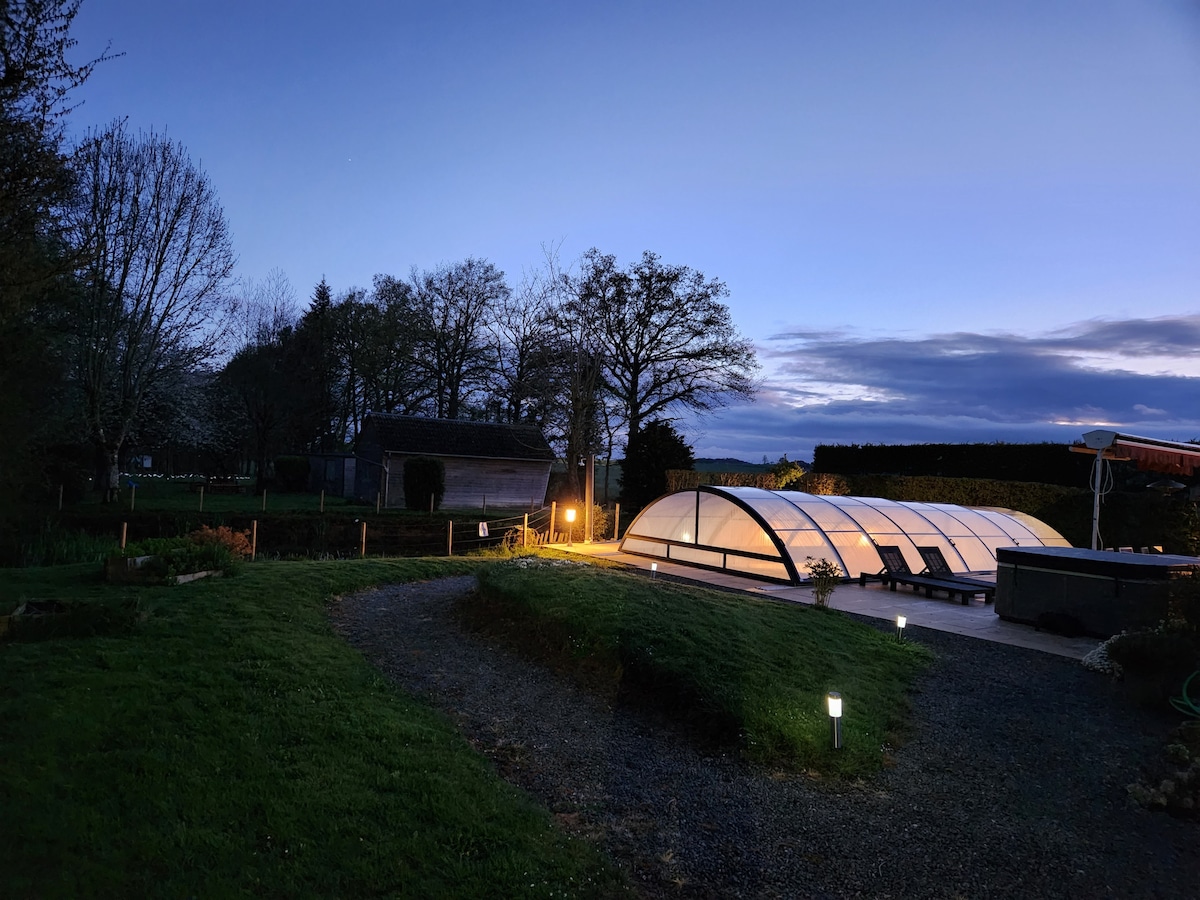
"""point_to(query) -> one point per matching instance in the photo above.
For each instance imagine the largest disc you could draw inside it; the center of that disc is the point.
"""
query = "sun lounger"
(896, 571)
(936, 566)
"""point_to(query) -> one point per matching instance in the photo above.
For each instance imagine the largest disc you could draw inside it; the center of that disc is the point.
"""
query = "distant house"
(487, 463)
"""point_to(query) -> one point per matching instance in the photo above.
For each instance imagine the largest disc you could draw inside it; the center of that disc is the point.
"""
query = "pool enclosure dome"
(771, 534)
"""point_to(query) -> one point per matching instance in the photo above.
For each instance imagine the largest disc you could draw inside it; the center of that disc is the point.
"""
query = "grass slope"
(231, 744)
(738, 667)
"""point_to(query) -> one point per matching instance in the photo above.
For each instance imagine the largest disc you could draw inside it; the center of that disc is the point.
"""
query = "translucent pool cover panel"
(737, 524)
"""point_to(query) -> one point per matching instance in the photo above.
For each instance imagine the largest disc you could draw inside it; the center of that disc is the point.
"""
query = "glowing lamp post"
(901, 621)
(570, 527)
(835, 718)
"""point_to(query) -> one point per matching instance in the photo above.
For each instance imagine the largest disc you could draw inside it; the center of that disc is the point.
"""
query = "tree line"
(123, 332)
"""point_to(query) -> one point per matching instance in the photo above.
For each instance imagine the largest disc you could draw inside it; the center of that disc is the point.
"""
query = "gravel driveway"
(1013, 784)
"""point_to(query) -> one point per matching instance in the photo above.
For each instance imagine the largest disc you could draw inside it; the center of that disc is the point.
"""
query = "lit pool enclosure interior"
(771, 534)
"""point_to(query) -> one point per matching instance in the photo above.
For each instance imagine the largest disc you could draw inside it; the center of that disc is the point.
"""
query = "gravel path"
(1013, 784)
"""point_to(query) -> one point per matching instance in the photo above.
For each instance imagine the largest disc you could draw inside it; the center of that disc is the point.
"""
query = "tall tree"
(456, 303)
(36, 257)
(671, 343)
(523, 340)
(35, 85)
(158, 256)
(391, 379)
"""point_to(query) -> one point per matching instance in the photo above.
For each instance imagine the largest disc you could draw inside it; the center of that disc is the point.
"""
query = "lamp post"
(901, 621)
(835, 718)
(571, 527)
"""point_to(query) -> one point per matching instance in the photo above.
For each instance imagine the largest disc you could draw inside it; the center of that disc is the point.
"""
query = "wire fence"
(341, 537)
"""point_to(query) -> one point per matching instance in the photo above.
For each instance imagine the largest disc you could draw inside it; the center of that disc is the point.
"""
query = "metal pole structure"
(322, 499)
(132, 496)
(201, 498)
(589, 496)
(1097, 484)
(60, 493)
(264, 509)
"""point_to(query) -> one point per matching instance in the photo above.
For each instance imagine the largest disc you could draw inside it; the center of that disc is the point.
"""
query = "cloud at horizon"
(1136, 375)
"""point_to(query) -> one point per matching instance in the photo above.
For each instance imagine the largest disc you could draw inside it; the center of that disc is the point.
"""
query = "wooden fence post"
(450, 538)
(60, 493)
(253, 539)
(553, 513)
(132, 496)
(322, 499)
(201, 498)
(264, 509)
(362, 541)
(124, 533)
(525, 533)
(617, 522)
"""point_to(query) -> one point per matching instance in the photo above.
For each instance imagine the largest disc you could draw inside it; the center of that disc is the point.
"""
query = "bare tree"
(265, 309)
(158, 256)
(456, 303)
(670, 341)
(524, 348)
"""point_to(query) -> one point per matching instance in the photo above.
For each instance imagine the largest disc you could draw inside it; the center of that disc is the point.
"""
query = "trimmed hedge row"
(1127, 519)
(1043, 463)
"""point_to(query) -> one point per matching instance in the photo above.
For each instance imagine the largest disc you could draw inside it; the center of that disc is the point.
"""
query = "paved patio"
(977, 620)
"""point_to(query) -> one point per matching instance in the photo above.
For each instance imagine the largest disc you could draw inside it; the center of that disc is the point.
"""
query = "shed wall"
(474, 483)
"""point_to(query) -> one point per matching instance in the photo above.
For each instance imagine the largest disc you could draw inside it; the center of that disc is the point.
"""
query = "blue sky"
(938, 221)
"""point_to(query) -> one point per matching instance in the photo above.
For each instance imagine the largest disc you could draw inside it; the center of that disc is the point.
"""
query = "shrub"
(236, 542)
(826, 576)
(424, 477)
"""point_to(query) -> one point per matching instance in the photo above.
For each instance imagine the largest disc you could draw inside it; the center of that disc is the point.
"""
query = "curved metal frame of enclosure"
(979, 529)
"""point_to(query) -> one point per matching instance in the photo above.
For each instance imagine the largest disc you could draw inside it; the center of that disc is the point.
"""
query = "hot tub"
(1094, 592)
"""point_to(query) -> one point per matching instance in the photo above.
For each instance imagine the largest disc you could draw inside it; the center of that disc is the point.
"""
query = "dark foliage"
(1044, 463)
(650, 452)
(424, 477)
(291, 473)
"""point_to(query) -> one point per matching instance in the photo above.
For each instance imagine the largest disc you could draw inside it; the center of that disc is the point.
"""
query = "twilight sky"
(938, 221)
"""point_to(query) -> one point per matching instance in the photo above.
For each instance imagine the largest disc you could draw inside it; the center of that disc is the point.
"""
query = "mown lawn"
(735, 668)
(232, 744)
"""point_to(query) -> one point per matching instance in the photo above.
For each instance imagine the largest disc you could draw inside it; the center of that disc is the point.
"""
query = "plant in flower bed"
(732, 669)
(825, 577)
(1179, 792)
(204, 550)
(1159, 659)
(236, 746)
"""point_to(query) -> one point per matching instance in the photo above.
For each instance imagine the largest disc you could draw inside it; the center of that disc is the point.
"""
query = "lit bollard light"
(901, 621)
(835, 718)
(653, 569)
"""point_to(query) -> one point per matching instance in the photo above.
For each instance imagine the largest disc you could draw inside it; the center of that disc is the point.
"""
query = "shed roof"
(424, 436)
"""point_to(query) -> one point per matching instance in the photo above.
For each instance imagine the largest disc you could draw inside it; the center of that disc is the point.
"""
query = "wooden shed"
(488, 464)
